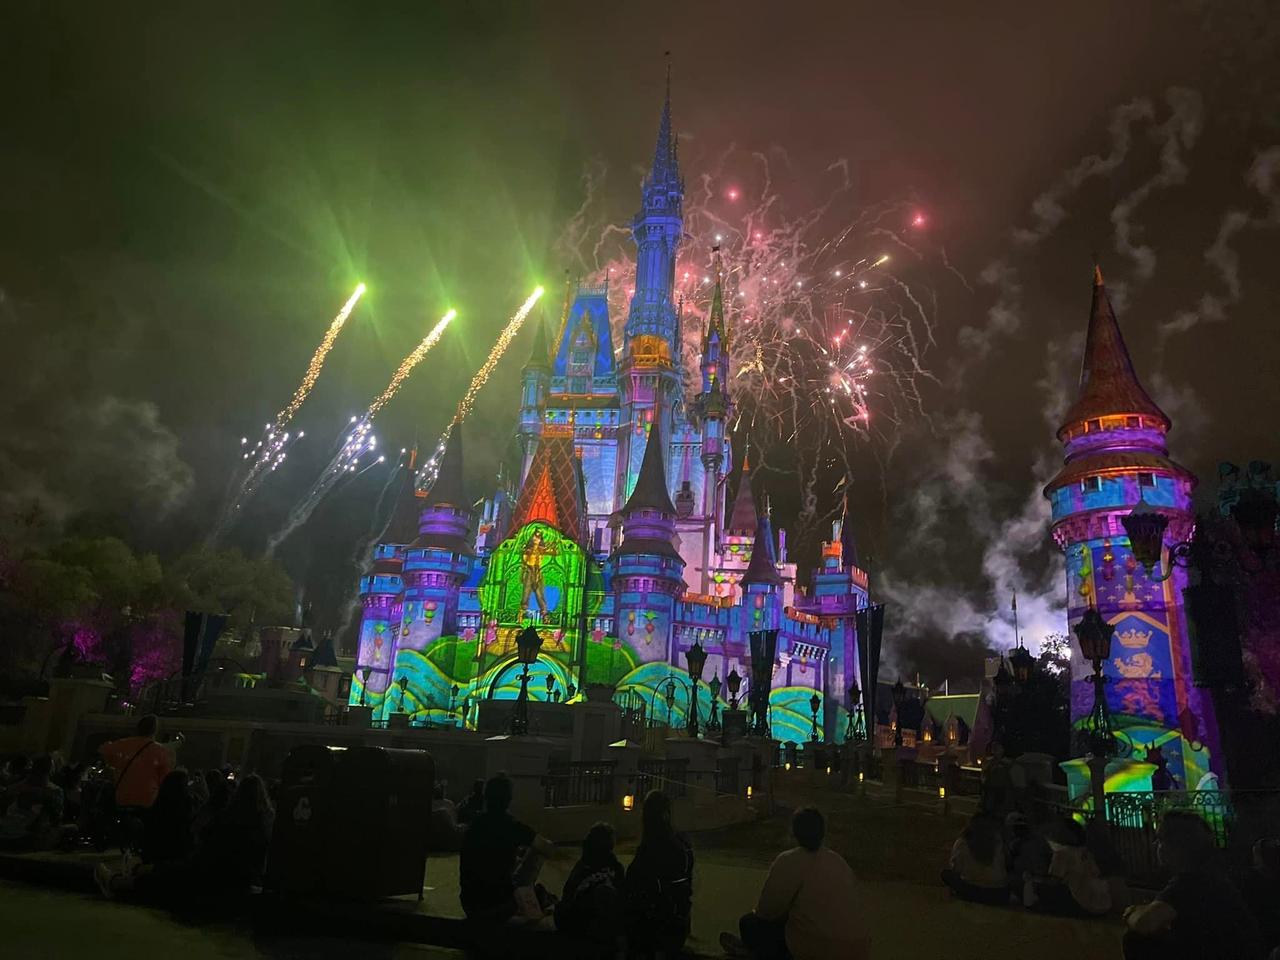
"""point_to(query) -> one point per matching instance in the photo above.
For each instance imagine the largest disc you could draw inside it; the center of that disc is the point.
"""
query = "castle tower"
(380, 591)
(1116, 457)
(714, 409)
(650, 369)
(648, 573)
(761, 583)
(535, 379)
(435, 566)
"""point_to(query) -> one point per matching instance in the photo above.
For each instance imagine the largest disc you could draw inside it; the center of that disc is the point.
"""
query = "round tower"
(1116, 458)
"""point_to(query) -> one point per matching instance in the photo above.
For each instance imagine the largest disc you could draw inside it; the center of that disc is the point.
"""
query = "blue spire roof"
(666, 165)
(593, 301)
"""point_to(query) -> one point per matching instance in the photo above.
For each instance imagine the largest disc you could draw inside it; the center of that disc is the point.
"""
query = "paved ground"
(896, 852)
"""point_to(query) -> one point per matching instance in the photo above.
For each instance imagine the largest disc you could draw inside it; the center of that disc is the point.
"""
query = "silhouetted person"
(32, 810)
(233, 851)
(1199, 915)
(444, 833)
(473, 805)
(1260, 886)
(809, 906)
(499, 854)
(591, 906)
(1074, 885)
(977, 868)
(166, 830)
(658, 894)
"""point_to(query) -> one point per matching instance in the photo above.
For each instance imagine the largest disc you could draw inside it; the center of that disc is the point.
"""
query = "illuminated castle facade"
(618, 541)
(1117, 458)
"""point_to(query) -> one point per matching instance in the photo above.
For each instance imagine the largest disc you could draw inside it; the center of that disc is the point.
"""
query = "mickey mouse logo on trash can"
(302, 810)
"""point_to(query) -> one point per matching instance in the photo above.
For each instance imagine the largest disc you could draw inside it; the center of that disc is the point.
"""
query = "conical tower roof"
(743, 517)
(715, 318)
(666, 168)
(448, 489)
(763, 567)
(1108, 384)
(540, 355)
(403, 526)
(550, 491)
(325, 655)
(651, 492)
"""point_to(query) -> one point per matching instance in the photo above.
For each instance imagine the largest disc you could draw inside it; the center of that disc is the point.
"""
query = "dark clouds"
(191, 191)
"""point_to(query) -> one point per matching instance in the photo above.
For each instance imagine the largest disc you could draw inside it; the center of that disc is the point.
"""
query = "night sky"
(188, 193)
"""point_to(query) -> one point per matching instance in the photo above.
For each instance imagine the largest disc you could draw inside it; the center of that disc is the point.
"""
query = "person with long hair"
(658, 895)
(233, 851)
(166, 828)
(591, 905)
(977, 869)
(1199, 914)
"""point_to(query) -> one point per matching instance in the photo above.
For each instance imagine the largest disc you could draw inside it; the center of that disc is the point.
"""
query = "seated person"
(471, 807)
(1260, 886)
(809, 907)
(32, 818)
(1199, 914)
(977, 869)
(1027, 851)
(443, 832)
(591, 906)
(499, 856)
(658, 891)
(1073, 885)
(139, 763)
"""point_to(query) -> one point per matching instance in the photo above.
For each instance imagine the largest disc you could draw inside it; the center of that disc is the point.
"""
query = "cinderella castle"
(619, 543)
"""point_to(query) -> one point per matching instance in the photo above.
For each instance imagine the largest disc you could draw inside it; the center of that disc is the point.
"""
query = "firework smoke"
(270, 451)
(431, 469)
(359, 441)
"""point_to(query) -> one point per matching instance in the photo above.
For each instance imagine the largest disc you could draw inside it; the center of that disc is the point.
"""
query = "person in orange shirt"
(139, 763)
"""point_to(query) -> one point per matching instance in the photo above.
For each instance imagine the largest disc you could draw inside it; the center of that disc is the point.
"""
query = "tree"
(226, 581)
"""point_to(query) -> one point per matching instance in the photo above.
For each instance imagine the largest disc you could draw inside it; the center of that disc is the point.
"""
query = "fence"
(669, 776)
(579, 782)
(727, 775)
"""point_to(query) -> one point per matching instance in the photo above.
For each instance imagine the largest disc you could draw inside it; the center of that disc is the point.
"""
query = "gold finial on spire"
(1097, 275)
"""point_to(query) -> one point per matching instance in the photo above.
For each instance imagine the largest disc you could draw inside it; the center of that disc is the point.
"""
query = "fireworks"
(270, 451)
(829, 311)
(430, 469)
(359, 439)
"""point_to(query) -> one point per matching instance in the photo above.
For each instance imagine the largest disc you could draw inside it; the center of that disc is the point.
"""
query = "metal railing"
(727, 776)
(669, 776)
(578, 783)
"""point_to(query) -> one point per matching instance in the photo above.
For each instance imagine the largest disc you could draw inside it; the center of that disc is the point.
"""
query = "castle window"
(1094, 425)
(1133, 423)
(1146, 479)
(1091, 484)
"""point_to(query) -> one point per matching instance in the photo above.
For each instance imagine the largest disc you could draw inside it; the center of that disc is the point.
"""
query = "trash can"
(381, 814)
(302, 837)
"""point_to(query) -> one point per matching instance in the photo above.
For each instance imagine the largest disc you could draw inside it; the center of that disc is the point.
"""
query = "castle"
(619, 542)
(1117, 459)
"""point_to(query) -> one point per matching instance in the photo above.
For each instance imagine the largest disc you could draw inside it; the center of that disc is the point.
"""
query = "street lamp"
(735, 684)
(453, 698)
(815, 704)
(714, 688)
(528, 643)
(899, 700)
(1094, 634)
(1145, 529)
(1022, 662)
(551, 684)
(670, 696)
(364, 684)
(855, 729)
(466, 708)
(403, 683)
(697, 659)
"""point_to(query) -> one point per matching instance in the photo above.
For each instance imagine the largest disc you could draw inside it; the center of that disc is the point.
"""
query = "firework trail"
(829, 310)
(270, 451)
(359, 441)
(431, 469)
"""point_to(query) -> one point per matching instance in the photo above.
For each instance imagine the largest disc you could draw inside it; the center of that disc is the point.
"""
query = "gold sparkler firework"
(409, 362)
(431, 469)
(318, 358)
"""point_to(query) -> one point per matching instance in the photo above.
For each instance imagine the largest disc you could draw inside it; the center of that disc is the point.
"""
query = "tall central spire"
(666, 168)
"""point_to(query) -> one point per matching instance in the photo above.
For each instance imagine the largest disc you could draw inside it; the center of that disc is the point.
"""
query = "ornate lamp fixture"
(735, 684)
(528, 643)
(714, 688)
(815, 704)
(697, 659)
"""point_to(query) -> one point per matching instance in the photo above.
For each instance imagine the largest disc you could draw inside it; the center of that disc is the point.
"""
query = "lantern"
(1145, 529)
(528, 643)
(1094, 634)
(697, 658)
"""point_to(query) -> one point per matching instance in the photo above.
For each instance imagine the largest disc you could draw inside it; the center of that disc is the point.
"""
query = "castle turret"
(651, 382)
(435, 566)
(714, 409)
(761, 583)
(648, 570)
(1116, 459)
(535, 379)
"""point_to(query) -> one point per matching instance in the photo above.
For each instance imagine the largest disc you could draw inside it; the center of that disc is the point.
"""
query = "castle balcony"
(381, 584)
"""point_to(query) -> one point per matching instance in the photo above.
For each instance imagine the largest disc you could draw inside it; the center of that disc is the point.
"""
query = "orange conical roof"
(1108, 384)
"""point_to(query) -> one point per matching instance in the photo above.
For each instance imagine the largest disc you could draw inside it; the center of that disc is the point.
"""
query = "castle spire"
(1108, 384)
(762, 568)
(743, 519)
(403, 525)
(650, 492)
(540, 355)
(448, 488)
(666, 169)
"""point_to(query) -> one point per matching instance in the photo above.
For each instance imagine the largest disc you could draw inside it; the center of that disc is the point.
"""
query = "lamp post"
(855, 729)
(1094, 634)
(1145, 529)
(735, 684)
(453, 698)
(815, 704)
(528, 643)
(670, 696)
(697, 659)
(899, 700)
(570, 692)
(714, 688)
(403, 684)
(364, 684)
(466, 708)
(551, 685)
